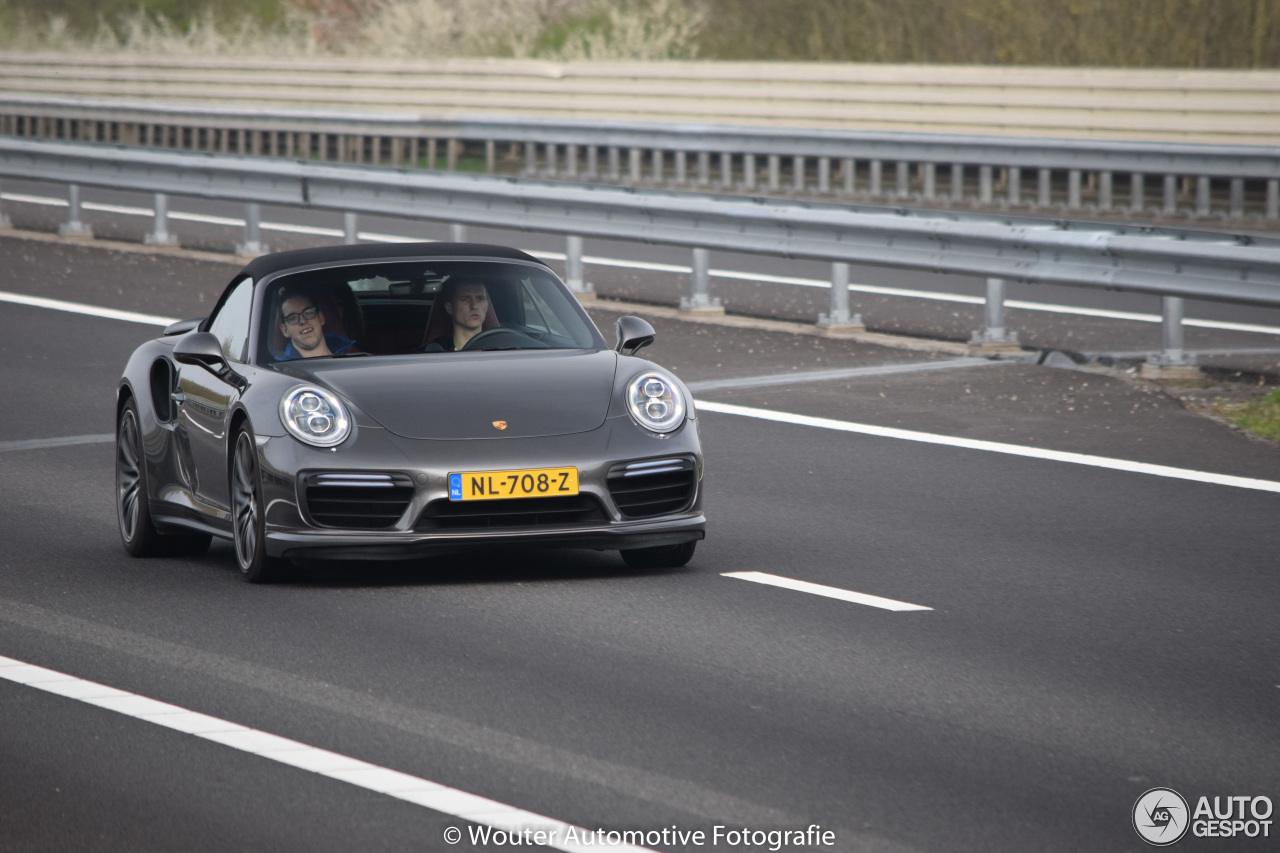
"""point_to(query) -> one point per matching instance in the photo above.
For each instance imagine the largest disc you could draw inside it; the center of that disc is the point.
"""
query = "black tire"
(248, 520)
(132, 510)
(133, 513)
(662, 557)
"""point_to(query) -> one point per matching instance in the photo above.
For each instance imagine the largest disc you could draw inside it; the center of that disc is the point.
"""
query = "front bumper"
(291, 532)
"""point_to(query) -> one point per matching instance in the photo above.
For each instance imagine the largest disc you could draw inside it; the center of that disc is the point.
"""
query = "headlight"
(315, 416)
(655, 402)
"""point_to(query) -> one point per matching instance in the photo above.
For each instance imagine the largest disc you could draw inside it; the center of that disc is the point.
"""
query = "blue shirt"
(337, 344)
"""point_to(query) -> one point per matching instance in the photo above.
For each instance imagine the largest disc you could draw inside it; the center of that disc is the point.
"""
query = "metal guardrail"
(1175, 264)
(1075, 176)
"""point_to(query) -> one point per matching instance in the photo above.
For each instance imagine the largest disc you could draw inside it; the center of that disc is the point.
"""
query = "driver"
(302, 322)
(467, 302)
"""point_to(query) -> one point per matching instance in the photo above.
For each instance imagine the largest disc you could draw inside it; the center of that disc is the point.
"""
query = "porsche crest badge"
(499, 424)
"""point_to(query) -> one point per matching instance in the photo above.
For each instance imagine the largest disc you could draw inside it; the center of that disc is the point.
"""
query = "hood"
(460, 395)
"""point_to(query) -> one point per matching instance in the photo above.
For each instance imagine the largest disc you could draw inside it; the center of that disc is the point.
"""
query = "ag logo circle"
(1160, 816)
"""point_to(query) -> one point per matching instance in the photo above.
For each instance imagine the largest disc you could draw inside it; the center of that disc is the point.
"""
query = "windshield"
(429, 307)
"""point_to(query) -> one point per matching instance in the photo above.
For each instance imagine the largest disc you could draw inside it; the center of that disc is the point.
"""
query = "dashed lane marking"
(798, 376)
(64, 441)
(827, 591)
(362, 774)
(80, 308)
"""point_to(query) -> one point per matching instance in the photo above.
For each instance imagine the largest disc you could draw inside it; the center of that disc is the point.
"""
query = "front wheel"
(662, 557)
(248, 520)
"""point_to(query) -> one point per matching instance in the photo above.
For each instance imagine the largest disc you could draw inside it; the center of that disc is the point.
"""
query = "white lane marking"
(382, 780)
(828, 591)
(992, 446)
(798, 376)
(81, 308)
(64, 441)
(736, 275)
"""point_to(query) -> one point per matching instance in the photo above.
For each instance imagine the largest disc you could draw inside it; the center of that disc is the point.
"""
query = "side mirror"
(182, 326)
(200, 348)
(633, 334)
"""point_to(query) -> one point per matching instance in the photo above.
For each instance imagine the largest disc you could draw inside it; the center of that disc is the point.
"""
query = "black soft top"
(268, 264)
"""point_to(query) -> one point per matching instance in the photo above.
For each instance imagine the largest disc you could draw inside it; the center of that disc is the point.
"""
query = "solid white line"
(678, 269)
(80, 308)
(371, 777)
(828, 591)
(992, 446)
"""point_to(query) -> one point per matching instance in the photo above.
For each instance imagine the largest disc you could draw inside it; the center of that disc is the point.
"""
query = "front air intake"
(653, 487)
(357, 501)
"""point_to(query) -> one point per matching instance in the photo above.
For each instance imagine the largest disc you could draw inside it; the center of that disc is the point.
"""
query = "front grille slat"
(565, 511)
(357, 501)
(648, 489)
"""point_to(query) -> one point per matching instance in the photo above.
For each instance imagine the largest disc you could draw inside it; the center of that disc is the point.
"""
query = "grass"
(1260, 417)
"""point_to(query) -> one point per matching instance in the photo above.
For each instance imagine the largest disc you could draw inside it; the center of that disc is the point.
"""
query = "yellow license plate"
(525, 483)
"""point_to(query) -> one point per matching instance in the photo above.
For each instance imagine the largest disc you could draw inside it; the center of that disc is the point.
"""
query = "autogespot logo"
(1160, 816)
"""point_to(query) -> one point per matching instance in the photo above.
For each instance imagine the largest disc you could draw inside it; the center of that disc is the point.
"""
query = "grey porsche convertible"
(360, 402)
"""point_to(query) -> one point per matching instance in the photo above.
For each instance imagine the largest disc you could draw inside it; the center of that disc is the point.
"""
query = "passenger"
(302, 322)
(468, 304)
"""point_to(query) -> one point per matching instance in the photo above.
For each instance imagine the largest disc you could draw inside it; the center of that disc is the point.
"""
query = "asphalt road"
(1094, 633)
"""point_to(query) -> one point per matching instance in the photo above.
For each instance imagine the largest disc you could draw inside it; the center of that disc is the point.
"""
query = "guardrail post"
(1173, 361)
(1273, 199)
(749, 171)
(615, 164)
(1237, 197)
(350, 233)
(877, 174)
(993, 335)
(634, 156)
(797, 174)
(573, 276)
(1015, 185)
(74, 227)
(593, 162)
(704, 168)
(571, 161)
(431, 153)
(849, 168)
(699, 300)
(553, 160)
(957, 181)
(984, 184)
(490, 156)
(453, 147)
(1137, 192)
(1044, 188)
(726, 170)
(531, 158)
(1202, 195)
(775, 172)
(824, 175)
(252, 244)
(457, 232)
(659, 162)
(160, 235)
(682, 160)
(903, 178)
(4, 220)
(1104, 190)
(837, 320)
(930, 180)
(1170, 195)
(1073, 189)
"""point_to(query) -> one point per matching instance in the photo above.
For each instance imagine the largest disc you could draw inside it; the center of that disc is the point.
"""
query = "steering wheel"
(502, 338)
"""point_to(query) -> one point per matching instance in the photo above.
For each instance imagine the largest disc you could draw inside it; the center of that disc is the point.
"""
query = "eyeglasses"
(298, 316)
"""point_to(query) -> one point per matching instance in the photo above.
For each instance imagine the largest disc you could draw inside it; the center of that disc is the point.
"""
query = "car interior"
(392, 308)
